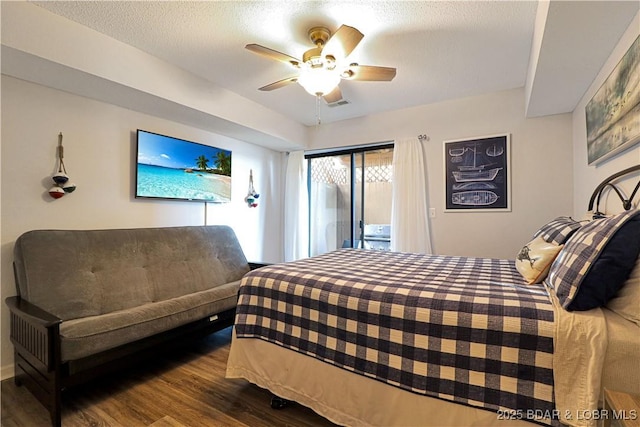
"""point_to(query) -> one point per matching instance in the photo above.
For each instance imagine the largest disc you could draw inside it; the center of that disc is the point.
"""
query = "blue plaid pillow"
(558, 230)
(611, 245)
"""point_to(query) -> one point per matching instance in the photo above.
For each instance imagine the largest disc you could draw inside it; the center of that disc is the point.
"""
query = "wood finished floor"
(184, 388)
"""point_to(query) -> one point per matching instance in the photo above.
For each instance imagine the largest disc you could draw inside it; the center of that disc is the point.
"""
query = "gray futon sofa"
(90, 302)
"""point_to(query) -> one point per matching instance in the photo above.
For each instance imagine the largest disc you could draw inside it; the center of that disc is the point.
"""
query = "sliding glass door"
(350, 199)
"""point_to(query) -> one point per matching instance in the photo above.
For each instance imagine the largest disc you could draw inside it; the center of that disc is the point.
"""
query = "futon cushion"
(89, 335)
(596, 261)
(79, 273)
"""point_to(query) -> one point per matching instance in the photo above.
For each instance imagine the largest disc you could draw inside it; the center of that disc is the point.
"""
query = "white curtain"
(409, 210)
(324, 218)
(296, 208)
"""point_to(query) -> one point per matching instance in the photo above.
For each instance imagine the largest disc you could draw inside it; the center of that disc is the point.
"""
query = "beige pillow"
(627, 301)
(535, 258)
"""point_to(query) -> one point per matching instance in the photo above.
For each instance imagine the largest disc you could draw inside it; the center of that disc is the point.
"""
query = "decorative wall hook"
(61, 179)
(251, 194)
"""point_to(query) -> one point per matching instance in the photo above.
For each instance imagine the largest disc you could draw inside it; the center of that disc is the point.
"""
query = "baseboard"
(6, 372)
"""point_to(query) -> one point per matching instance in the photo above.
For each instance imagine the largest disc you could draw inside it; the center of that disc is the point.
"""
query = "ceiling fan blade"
(279, 84)
(272, 54)
(333, 96)
(370, 73)
(342, 42)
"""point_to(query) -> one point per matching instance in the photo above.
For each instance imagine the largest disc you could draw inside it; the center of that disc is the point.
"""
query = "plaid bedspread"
(467, 330)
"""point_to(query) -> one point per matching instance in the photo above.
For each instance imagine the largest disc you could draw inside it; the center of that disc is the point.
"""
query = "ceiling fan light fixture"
(318, 81)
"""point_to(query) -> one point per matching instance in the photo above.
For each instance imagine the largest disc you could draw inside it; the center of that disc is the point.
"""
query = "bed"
(381, 338)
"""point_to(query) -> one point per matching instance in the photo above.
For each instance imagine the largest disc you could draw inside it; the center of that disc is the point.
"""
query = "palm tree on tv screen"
(201, 162)
(223, 163)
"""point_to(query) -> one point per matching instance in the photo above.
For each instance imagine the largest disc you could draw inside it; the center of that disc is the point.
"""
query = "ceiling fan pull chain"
(318, 109)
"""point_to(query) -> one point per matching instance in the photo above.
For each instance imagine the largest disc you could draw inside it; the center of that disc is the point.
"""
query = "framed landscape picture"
(613, 114)
(477, 174)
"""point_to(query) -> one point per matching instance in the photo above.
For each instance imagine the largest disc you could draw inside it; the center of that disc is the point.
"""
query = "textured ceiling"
(441, 49)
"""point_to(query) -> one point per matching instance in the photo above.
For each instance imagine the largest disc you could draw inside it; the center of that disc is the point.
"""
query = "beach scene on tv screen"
(176, 169)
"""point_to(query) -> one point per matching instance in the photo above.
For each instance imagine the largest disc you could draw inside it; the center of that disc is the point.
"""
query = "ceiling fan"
(322, 67)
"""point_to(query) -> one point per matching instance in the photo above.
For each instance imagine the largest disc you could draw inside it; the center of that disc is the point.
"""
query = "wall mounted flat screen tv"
(172, 168)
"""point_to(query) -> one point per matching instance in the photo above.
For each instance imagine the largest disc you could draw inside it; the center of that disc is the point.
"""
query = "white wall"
(586, 178)
(541, 165)
(45, 48)
(99, 154)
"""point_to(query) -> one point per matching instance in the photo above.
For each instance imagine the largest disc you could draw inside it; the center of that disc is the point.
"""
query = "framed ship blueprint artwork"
(477, 174)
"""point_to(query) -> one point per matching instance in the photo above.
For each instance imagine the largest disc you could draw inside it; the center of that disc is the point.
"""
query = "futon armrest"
(35, 334)
(256, 265)
(31, 313)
